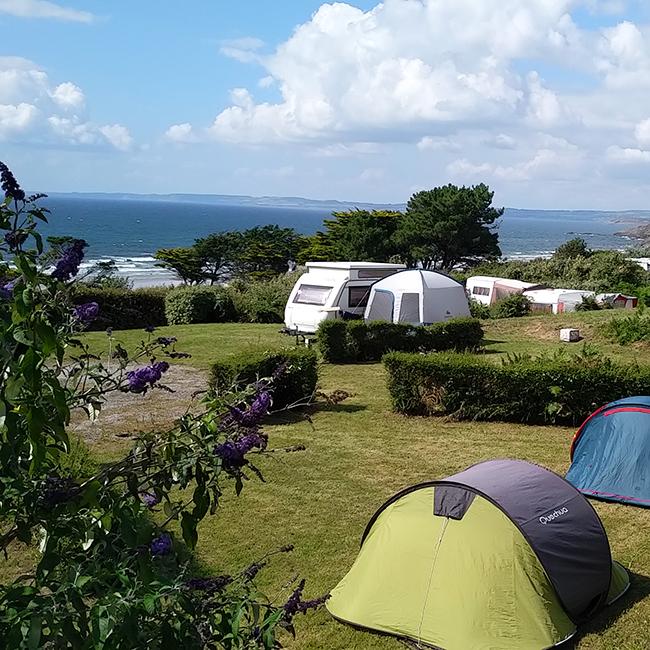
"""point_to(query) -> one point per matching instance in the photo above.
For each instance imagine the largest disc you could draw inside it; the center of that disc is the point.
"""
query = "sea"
(129, 229)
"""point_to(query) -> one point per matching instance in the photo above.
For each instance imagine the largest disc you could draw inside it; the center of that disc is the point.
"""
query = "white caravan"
(488, 290)
(332, 290)
(556, 301)
(417, 297)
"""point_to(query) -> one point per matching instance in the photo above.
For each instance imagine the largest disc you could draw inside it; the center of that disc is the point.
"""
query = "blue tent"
(610, 454)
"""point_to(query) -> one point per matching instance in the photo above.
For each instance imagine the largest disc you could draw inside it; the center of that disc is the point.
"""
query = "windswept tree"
(356, 235)
(266, 251)
(185, 262)
(219, 253)
(449, 225)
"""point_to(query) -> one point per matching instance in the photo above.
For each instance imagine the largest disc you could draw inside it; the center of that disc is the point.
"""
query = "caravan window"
(374, 274)
(358, 296)
(481, 291)
(311, 294)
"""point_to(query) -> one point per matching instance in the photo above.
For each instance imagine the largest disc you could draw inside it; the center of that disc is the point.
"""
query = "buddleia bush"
(109, 572)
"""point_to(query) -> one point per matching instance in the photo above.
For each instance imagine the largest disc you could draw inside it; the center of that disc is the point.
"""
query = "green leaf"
(188, 526)
(34, 634)
(149, 602)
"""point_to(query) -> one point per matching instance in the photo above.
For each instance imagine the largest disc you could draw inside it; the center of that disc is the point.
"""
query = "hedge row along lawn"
(359, 454)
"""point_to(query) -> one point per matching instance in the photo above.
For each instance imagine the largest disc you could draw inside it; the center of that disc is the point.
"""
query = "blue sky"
(544, 100)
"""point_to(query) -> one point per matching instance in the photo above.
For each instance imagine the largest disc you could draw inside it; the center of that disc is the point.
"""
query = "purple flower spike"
(68, 265)
(86, 313)
(9, 184)
(7, 290)
(161, 545)
(149, 499)
(233, 452)
(142, 379)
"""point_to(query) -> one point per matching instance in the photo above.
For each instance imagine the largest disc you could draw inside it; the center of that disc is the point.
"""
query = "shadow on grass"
(302, 414)
(639, 589)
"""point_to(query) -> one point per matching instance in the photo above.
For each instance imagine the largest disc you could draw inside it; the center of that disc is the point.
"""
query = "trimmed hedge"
(559, 389)
(188, 305)
(297, 382)
(124, 309)
(353, 341)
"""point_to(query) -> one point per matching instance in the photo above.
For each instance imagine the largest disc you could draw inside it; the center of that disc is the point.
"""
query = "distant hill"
(227, 199)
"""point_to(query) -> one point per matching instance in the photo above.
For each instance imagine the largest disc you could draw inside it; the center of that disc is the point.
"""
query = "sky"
(546, 101)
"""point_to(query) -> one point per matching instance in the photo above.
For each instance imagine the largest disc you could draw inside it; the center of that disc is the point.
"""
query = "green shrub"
(589, 303)
(124, 309)
(355, 341)
(188, 305)
(295, 383)
(559, 389)
(479, 310)
(261, 301)
(513, 306)
(629, 329)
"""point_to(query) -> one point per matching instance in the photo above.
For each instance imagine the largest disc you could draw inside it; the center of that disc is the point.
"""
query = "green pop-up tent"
(503, 555)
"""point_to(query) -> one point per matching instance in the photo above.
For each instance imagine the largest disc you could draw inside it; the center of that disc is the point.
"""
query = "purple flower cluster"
(68, 264)
(166, 340)
(252, 571)
(233, 452)
(58, 490)
(252, 416)
(9, 184)
(211, 585)
(144, 378)
(295, 604)
(161, 545)
(7, 290)
(86, 313)
(149, 499)
(15, 238)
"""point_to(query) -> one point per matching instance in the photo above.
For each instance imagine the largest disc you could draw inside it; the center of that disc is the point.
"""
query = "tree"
(449, 225)
(572, 248)
(267, 250)
(218, 253)
(356, 235)
(185, 262)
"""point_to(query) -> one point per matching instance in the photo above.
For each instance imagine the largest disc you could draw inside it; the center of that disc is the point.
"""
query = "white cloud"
(266, 82)
(437, 144)
(556, 159)
(117, 135)
(642, 132)
(35, 110)
(43, 9)
(181, 133)
(16, 119)
(403, 66)
(242, 49)
(627, 155)
(68, 95)
(501, 141)
(343, 150)
(371, 175)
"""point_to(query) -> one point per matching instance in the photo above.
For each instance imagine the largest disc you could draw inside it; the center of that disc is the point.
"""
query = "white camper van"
(488, 290)
(331, 290)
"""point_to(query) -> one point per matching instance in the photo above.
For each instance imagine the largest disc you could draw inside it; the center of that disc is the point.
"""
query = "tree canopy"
(355, 235)
(449, 225)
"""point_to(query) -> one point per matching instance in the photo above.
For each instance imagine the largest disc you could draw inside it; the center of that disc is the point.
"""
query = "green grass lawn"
(205, 343)
(358, 454)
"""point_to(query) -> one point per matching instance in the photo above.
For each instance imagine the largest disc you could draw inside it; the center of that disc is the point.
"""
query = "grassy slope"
(358, 454)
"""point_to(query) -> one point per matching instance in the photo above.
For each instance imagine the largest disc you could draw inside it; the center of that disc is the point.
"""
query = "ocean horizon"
(129, 229)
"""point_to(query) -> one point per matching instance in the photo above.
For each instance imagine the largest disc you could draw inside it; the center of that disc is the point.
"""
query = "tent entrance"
(409, 309)
(381, 306)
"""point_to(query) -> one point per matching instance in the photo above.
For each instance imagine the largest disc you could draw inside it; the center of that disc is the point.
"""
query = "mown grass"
(358, 454)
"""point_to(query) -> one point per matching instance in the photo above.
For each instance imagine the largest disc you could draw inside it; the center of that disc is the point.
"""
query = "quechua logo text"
(547, 519)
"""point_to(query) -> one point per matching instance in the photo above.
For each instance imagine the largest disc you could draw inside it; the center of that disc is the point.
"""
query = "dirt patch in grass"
(125, 415)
